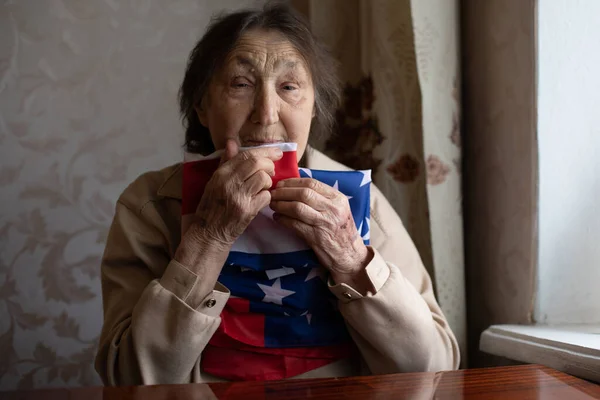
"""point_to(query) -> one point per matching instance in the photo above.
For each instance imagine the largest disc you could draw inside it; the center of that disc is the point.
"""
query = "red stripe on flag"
(286, 168)
(245, 327)
(195, 177)
(237, 365)
(238, 305)
(220, 339)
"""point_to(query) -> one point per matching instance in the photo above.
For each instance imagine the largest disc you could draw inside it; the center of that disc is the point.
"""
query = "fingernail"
(278, 152)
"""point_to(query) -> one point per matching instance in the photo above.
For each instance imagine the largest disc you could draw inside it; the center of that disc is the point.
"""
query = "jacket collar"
(172, 185)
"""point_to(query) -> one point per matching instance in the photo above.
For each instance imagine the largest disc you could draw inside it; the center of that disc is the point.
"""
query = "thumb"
(231, 150)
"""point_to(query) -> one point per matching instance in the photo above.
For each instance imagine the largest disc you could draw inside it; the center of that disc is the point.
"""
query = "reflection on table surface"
(517, 382)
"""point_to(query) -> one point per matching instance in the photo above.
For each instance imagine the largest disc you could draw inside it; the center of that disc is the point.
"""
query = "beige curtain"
(499, 69)
(401, 118)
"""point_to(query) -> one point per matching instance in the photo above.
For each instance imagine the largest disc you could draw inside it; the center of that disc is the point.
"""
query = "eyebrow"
(286, 63)
(246, 62)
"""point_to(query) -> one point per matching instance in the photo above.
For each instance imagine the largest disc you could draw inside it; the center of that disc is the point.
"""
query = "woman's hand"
(235, 194)
(321, 215)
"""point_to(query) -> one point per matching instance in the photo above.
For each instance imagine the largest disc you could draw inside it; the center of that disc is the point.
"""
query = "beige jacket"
(156, 325)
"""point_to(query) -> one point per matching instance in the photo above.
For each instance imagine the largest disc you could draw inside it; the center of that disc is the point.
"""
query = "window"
(567, 308)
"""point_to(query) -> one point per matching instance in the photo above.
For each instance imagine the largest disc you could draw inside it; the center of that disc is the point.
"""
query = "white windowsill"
(573, 349)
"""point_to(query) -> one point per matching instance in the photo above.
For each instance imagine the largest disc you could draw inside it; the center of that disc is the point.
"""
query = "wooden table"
(520, 382)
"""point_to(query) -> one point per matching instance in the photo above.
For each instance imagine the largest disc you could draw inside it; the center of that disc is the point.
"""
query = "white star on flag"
(274, 294)
(278, 273)
(314, 272)
(307, 315)
(307, 172)
(367, 235)
(366, 177)
(336, 186)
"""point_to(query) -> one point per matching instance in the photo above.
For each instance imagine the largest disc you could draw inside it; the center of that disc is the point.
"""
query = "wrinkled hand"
(235, 194)
(321, 215)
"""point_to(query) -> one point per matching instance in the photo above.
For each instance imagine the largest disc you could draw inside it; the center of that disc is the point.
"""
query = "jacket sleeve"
(155, 324)
(400, 327)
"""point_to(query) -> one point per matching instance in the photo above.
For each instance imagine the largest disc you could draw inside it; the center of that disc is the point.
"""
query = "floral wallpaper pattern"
(87, 103)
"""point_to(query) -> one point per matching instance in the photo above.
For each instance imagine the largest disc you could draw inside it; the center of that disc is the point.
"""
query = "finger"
(245, 162)
(258, 182)
(301, 228)
(317, 186)
(252, 165)
(303, 194)
(297, 210)
(260, 201)
(231, 150)
(241, 169)
(273, 153)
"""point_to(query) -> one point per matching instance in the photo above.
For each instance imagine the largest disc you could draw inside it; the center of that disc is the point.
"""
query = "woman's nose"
(266, 108)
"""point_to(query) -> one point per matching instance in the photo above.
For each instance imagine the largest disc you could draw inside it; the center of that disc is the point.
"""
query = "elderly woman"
(255, 78)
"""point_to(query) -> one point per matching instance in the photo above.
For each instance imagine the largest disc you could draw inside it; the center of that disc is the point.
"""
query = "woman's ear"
(201, 113)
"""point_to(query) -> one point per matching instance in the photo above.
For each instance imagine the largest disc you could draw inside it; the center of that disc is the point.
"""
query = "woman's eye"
(240, 84)
(289, 87)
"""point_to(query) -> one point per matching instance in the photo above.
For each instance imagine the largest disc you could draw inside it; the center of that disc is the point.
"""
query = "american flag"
(281, 319)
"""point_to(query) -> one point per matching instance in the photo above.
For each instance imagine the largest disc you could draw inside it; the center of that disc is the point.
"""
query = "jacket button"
(210, 303)
(347, 295)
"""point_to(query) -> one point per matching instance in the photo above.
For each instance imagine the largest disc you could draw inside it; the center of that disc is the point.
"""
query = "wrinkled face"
(262, 94)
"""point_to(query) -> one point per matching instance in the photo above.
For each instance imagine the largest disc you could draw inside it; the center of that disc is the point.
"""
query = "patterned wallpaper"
(87, 103)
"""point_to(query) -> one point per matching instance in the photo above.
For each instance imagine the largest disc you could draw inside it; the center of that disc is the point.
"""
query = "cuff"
(180, 281)
(377, 271)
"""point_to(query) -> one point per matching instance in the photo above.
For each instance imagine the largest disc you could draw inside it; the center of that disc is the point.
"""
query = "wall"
(569, 145)
(499, 164)
(87, 103)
